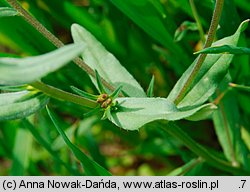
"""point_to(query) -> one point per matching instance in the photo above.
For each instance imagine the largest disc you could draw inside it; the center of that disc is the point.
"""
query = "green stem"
(63, 95)
(53, 39)
(201, 57)
(175, 131)
(196, 17)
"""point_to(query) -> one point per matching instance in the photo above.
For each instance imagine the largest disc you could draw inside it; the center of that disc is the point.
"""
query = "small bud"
(104, 105)
(101, 98)
(108, 101)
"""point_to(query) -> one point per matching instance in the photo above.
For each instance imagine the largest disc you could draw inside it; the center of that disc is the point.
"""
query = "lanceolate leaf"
(7, 12)
(98, 58)
(213, 70)
(20, 104)
(228, 49)
(133, 113)
(17, 71)
(90, 166)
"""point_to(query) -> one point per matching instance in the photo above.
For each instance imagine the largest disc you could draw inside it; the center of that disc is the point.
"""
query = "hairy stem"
(214, 161)
(201, 58)
(63, 95)
(53, 39)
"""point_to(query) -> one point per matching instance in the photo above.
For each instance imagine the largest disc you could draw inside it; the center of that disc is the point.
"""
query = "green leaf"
(21, 152)
(20, 104)
(213, 70)
(7, 12)
(240, 87)
(204, 113)
(186, 168)
(116, 93)
(17, 71)
(227, 121)
(99, 83)
(109, 68)
(227, 49)
(183, 29)
(90, 166)
(133, 113)
(47, 146)
(149, 16)
(150, 91)
(84, 94)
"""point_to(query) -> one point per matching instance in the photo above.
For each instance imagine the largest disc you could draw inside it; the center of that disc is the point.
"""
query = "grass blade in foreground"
(20, 104)
(7, 12)
(17, 71)
(227, 49)
(91, 167)
(211, 159)
(21, 152)
(47, 146)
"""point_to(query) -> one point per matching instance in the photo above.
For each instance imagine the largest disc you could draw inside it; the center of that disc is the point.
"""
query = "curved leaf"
(98, 58)
(17, 71)
(213, 70)
(133, 113)
(228, 49)
(20, 104)
(89, 165)
(7, 12)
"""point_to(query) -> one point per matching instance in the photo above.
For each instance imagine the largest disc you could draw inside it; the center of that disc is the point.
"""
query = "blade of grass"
(21, 152)
(47, 146)
(186, 168)
(212, 160)
(90, 166)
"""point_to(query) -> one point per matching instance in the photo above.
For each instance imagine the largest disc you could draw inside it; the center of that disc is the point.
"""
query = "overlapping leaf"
(89, 165)
(20, 104)
(7, 12)
(98, 58)
(228, 49)
(210, 75)
(133, 113)
(17, 71)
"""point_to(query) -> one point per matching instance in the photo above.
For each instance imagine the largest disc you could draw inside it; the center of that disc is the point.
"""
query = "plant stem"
(196, 17)
(201, 57)
(175, 131)
(53, 39)
(63, 95)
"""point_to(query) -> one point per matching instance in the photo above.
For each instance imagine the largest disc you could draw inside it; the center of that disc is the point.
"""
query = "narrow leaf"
(227, 121)
(47, 146)
(116, 92)
(204, 113)
(240, 87)
(150, 91)
(183, 29)
(212, 72)
(90, 166)
(99, 83)
(180, 171)
(109, 68)
(21, 152)
(226, 49)
(84, 94)
(7, 12)
(20, 104)
(17, 71)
